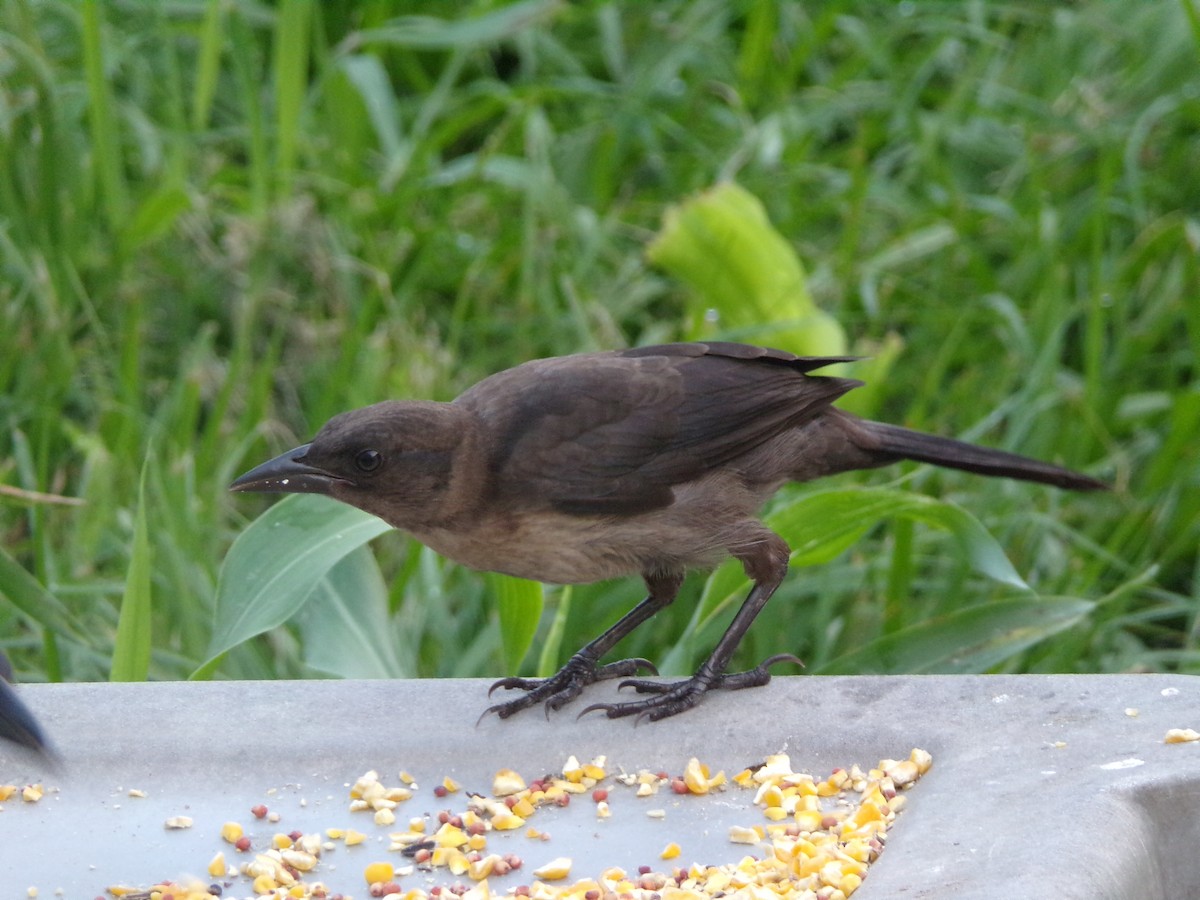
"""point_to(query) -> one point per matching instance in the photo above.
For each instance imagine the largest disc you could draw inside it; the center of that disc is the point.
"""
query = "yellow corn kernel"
(523, 808)
(357, 789)
(1181, 736)
(217, 867)
(264, 884)
(507, 782)
(769, 795)
(670, 851)
(354, 837)
(456, 861)
(506, 821)
(695, 776)
(379, 871)
(809, 819)
(299, 860)
(554, 870)
(231, 831)
(743, 778)
(450, 784)
(482, 868)
(923, 759)
(476, 842)
(385, 817)
(280, 841)
(740, 834)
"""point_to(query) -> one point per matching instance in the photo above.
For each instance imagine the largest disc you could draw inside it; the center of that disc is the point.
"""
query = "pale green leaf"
(967, 640)
(276, 562)
(345, 622)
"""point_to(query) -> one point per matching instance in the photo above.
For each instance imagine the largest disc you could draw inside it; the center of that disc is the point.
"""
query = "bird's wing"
(612, 433)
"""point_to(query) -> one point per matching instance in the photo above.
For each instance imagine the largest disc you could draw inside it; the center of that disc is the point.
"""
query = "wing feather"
(615, 432)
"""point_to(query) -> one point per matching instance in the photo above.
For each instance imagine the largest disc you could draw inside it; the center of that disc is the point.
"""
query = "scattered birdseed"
(176, 822)
(815, 840)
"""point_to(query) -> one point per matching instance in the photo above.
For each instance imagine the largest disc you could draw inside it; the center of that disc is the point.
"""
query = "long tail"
(902, 443)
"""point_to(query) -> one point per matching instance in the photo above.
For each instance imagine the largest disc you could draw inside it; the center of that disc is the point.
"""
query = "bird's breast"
(555, 548)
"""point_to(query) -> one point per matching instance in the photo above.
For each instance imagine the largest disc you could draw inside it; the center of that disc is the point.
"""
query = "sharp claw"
(510, 683)
(593, 708)
(778, 658)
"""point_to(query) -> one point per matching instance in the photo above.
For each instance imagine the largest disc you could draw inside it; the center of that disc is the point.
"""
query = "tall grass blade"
(131, 652)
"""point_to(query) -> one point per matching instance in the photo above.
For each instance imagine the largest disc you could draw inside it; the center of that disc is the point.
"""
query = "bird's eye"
(368, 460)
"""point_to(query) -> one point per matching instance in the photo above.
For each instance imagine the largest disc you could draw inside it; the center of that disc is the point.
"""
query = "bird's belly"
(564, 549)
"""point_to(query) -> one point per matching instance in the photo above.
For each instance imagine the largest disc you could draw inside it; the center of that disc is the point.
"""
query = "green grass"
(222, 223)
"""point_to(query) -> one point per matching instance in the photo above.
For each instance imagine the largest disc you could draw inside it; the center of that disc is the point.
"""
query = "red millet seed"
(259, 811)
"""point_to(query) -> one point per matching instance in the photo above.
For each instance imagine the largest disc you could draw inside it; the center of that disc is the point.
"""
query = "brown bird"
(651, 461)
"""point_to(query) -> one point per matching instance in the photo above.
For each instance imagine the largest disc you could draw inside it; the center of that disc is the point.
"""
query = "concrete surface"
(1041, 786)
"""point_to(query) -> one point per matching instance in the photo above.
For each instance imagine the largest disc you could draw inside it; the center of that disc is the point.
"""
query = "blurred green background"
(221, 223)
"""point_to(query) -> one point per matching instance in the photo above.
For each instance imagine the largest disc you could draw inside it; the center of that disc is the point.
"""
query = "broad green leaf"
(276, 562)
(520, 606)
(131, 651)
(968, 640)
(723, 246)
(345, 622)
(821, 526)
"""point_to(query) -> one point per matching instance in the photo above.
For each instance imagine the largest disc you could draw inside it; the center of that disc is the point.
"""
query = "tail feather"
(903, 443)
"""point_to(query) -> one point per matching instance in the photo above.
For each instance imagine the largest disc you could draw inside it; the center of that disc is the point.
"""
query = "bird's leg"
(584, 667)
(766, 562)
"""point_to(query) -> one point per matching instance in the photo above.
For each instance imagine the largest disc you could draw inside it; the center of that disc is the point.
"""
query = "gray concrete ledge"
(1041, 787)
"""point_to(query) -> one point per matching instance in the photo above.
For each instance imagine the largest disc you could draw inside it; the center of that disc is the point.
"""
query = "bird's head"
(394, 459)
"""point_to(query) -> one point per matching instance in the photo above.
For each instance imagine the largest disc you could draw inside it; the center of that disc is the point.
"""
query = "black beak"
(287, 473)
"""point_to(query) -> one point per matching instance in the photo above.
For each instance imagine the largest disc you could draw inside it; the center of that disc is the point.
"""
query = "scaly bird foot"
(564, 686)
(672, 698)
